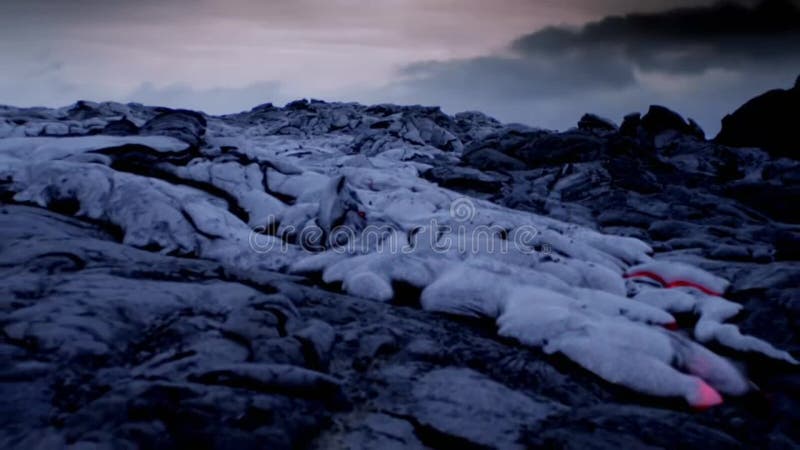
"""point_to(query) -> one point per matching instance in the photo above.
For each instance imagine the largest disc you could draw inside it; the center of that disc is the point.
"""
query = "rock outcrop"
(768, 121)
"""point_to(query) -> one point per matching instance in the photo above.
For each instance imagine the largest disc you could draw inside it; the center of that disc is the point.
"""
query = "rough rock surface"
(768, 121)
(115, 336)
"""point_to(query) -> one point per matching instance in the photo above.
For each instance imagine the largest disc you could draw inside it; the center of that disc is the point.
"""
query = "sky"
(539, 62)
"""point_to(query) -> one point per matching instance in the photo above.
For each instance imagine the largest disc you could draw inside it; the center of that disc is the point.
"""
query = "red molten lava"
(672, 326)
(673, 284)
(707, 397)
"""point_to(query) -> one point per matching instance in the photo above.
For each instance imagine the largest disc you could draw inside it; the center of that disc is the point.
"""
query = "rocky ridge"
(120, 338)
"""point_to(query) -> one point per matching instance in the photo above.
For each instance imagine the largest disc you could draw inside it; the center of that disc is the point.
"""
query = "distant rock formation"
(591, 122)
(660, 119)
(768, 121)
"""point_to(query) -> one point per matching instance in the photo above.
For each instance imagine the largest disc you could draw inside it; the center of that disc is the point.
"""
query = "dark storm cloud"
(513, 76)
(725, 35)
(606, 54)
(652, 56)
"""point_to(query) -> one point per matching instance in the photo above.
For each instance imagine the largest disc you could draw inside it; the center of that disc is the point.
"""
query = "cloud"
(105, 49)
(687, 40)
(702, 60)
(698, 59)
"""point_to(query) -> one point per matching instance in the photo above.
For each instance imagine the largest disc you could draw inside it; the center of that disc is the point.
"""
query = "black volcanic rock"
(109, 346)
(660, 119)
(464, 179)
(591, 122)
(630, 124)
(122, 127)
(534, 148)
(490, 159)
(768, 121)
(188, 126)
(695, 129)
(551, 149)
(83, 110)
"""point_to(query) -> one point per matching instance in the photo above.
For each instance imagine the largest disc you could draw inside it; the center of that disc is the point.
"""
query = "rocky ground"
(120, 337)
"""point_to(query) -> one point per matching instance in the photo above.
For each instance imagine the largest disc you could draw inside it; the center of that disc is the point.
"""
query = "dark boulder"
(264, 107)
(768, 121)
(188, 126)
(506, 142)
(560, 148)
(298, 105)
(490, 159)
(122, 127)
(516, 149)
(630, 125)
(632, 174)
(660, 119)
(774, 200)
(593, 123)
(83, 110)
(696, 130)
(464, 178)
